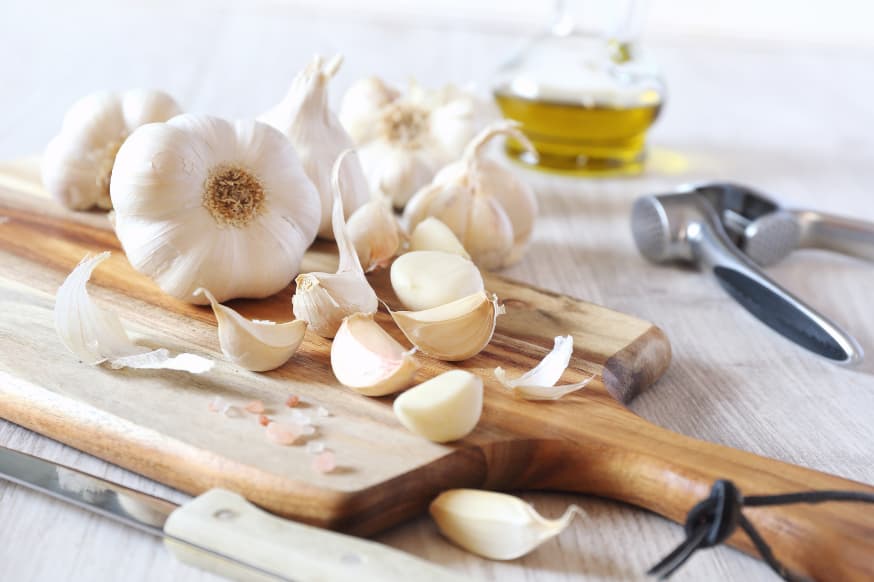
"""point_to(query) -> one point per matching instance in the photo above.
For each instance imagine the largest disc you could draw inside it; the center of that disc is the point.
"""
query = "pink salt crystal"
(255, 407)
(292, 401)
(283, 434)
(215, 404)
(324, 462)
(263, 420)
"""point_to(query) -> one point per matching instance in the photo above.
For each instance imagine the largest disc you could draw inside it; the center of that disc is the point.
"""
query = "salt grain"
(324, 462)
(315, 447)
(323, 412)
(301, 418)
(307, 430)
(255, 407)
(216, 404)
(263, 420)
(231, 411)
(292, 401)
(283, 434)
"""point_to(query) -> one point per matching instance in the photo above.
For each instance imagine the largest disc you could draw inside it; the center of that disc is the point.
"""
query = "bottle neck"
(620, 20)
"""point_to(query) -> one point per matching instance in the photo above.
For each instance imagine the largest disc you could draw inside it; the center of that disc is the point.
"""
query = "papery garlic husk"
(444, 408)
(77, 163)
(433, 235)
(495, 525)
(426, 279)
(324, 299)
(361, 104)
(539, 382)
(204, 202)
(318, 136)
(489, 208)
(253, 344)
(454, 331)
(376, 233)
(365, 358)
(96, 336)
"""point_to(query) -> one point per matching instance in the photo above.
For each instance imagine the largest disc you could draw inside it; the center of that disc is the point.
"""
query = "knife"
(221, 532)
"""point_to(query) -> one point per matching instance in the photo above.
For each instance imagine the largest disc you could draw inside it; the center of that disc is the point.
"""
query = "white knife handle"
(225, 523)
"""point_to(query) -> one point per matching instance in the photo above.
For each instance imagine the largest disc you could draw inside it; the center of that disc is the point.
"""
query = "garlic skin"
(425, 279)
(95, 335)
(495, 525)
(204, 202)
(539, 382)
(490, 210)
(368, 360)
(433, 235)
(251, 344)
(78, 162)
(318, 136)
(323, 300)
(454, 331)
(360, 105)
(444, 408)
(376, 233)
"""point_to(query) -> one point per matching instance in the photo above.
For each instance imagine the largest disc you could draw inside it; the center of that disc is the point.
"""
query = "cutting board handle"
(637, 462)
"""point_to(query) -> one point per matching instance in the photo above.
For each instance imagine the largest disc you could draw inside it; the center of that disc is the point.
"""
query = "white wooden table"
(795, 120)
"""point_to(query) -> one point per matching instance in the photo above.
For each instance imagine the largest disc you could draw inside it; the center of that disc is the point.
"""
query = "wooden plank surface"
(792, 119)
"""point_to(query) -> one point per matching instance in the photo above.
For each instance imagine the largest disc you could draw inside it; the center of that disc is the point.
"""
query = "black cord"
(713, 520)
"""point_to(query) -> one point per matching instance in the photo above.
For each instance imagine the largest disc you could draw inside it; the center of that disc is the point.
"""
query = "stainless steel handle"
(836, 233)
(769, 302)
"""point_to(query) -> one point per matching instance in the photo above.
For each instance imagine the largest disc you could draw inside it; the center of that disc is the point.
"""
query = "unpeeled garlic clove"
(375, 232)
(432, 234)
(444, 408)
(324, 299)
(495, 525)
(367, 359)
(252, 344)
(426, 279)
(454, 331)
(539, 382)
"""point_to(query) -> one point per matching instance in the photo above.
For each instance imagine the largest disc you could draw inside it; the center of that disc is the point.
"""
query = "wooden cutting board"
(157, 422)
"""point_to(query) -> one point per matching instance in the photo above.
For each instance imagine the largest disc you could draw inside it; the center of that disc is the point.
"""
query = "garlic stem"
(473, 150)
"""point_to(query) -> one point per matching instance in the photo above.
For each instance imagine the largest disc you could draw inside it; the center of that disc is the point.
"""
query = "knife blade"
(221, 532)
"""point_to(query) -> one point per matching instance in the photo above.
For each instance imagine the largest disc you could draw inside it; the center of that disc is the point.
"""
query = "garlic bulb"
(539, 382)
(317, 135)
(324, 299)
(204, 202)
(253, 344)
(405, 139)
(489, 209)
(432, 235)
(77, 164)
(96, 336)
(375, 232)
(367, 359)
(454, 331)
(495, 525)
(426, 279)
(445, 408)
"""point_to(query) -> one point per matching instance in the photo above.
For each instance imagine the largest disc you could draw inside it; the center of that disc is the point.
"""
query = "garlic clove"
(324, 299)
(495, 525)
(426, 279)
(361, 104)
(433, 235)
(444, 408)
(376, 234)
(396, 170)
(539, 382)
(251, 344)
(454, 331)
(95, 335)
(367, 359)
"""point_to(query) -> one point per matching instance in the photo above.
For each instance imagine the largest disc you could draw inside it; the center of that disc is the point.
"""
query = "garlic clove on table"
(376, 233)
(78, 162)
(204, 202)
(539, 383)
(367, 359)
(445, 408)
(252, 344)
(318, 136)
(426, 279)
(433, 235)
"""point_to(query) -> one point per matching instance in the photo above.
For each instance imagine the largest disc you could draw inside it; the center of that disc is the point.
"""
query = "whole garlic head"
(204, 202)
(362, 100)
(490, 210)
(319, 138)
(78, 162)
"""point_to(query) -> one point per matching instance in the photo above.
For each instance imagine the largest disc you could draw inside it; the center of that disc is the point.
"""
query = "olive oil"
(579, 138)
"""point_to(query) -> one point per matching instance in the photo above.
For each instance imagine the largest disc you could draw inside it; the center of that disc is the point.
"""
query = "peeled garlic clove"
(433, 235)
(367, 359)
(454, 331)
(539, 382)
(95, 335)
(255, 345)
(324, 299)
(376, 233)
(445, 408)
(361, 104)
(426, 279)
(495, 525)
